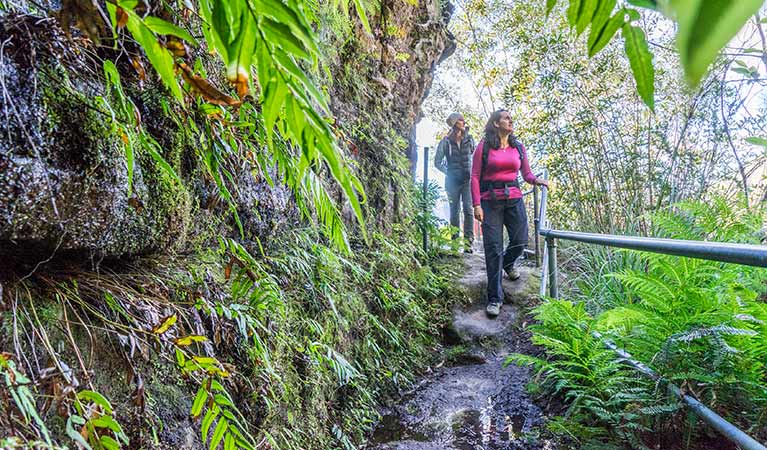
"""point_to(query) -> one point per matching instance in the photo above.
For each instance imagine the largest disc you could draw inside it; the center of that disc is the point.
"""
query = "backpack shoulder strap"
(485, 152)
(519, 146)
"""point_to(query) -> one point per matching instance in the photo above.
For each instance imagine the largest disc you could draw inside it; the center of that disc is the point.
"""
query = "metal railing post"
(425, 193)
(536, 223)
(551, 247)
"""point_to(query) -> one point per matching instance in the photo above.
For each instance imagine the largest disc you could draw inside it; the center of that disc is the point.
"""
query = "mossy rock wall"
(312, 338)
(64, 189)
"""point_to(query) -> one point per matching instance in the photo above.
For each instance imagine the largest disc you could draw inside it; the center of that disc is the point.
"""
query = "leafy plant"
(698, 323)
(213, 399)
(440, 235)
(96, 427)
(603, 394)
(126, 123)
(272, 38)
(704, 28)
(15, 384)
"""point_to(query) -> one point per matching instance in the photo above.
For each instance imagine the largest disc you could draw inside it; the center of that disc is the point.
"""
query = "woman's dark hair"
(492, 139)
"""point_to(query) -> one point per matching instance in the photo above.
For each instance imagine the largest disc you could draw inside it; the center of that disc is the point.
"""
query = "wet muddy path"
(472, 402)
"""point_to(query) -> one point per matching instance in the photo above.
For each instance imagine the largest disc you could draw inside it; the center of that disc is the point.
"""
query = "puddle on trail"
(485, 430)
(472, 429)
(392, 429)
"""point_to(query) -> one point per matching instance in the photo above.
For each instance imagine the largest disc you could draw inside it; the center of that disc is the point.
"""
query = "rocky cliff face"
(63, 189)
(283, 325)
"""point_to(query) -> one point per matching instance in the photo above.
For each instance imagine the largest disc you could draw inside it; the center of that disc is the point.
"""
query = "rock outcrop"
(64, 183)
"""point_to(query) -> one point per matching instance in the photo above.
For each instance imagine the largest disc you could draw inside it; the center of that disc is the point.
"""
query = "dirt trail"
(475, 403)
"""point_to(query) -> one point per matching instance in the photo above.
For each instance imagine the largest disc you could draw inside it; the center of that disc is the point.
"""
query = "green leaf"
(281, 13)
(292, 68)
(95, 397)
(129, 159)
(705, 26)
(607, 33)
(74, 434)
(223, 400)
(280, 35)
(214, 40)
(229, 442)
(107, 422)
(112, 11)
(160, 26)
(216, 386)
(640, 59)
(587, 10)
(199, 401)
(160, 57)
(218, 433)
(742, 71)
(240, 52)
(651, 4)
(275, 95)
(755, 140)
(210, 416)
(151, 146)
(363, 17)
(188, 340)
(180, 358)
(109, 443)
(601, 16)
(573, 11)
(550, 4)
(233, 11)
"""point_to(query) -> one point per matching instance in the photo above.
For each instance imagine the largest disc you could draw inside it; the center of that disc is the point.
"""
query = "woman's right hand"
(478, 213)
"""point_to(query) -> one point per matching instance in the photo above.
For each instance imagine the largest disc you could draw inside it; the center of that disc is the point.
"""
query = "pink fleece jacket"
(503, 164)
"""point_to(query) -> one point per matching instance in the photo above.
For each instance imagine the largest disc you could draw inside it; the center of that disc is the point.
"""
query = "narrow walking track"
(472, 402)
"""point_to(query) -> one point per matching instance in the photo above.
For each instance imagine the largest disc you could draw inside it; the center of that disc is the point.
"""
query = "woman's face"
(504, 124)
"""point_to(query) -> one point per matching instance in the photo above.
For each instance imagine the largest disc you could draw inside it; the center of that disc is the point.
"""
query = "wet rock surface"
(476, 403)
(64, 186)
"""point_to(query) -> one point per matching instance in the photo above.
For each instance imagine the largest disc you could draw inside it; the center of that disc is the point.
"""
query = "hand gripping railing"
(752, 255)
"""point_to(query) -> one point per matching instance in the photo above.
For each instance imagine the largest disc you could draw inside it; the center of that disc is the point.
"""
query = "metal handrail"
(729, 430)
(745, 254)
(752, 255)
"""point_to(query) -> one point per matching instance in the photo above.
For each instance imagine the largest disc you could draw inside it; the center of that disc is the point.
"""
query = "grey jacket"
(454, 160)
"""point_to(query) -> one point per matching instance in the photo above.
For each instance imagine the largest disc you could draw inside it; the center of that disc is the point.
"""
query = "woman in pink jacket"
(497, 201)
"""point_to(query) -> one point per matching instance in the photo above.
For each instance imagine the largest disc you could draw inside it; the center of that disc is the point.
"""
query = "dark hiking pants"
(497, 215)
(459, 196)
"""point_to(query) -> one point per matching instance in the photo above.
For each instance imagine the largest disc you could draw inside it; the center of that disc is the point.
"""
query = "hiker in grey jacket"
(453, 158)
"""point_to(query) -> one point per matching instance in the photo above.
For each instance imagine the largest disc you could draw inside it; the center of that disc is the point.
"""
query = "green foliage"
(160, 57)
(271, 34)
(705, 27)
(15, 383)
(641, 63)
(597, 14)
(276, 39)
(295, 346)
(126, 124)
(439, 233)
(603, 394)
(699, 324)
(93, 427)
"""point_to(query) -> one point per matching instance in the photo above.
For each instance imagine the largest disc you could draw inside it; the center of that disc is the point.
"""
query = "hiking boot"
(513, 274)
(493, 309)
